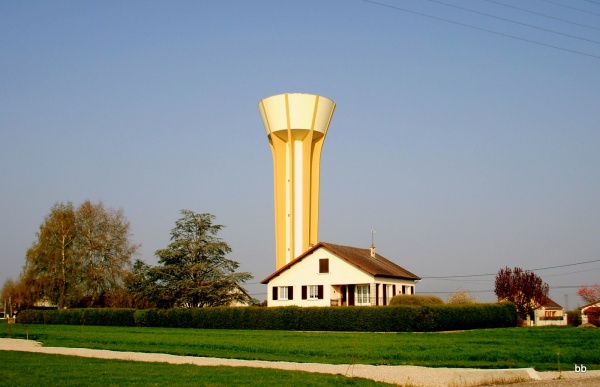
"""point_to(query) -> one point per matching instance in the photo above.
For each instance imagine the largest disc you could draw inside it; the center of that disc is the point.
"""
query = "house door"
(343, 295)
(350, 295)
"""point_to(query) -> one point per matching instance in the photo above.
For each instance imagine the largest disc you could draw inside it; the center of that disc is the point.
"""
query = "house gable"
(378, 266)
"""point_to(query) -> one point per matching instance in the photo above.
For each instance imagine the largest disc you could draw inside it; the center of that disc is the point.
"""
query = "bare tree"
(9, 295)
(51, 265)
(103, 243)
(79, 254)
(461, 296)
(16, 295)
(523, 288)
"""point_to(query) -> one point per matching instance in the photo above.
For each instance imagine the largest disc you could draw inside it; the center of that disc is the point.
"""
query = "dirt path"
(416, 376)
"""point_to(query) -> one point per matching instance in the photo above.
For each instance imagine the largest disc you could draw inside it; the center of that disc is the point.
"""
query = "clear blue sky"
(466, 150)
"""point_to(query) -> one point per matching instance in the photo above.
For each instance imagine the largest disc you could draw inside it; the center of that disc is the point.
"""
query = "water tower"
(296, 126)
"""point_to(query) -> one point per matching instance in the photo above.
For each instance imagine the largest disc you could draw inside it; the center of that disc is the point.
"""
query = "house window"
(362, 295)
(283, 293)
(324, 265)
(312, 292)
(403, 289)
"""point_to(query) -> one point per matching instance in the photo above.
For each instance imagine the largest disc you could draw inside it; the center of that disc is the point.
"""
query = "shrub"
(574, 317)
(398, 318)
(88, 316)
(414, 299)
(461, 296)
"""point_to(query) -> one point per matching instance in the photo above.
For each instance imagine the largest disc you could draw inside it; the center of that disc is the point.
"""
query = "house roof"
(361, 258)
(550, 304)
(597, 303)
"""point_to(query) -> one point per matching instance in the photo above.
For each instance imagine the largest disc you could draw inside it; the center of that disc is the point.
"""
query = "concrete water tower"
(296, 126)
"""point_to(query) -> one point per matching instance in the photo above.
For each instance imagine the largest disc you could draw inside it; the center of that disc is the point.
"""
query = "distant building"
(550, 313)
(590, 313)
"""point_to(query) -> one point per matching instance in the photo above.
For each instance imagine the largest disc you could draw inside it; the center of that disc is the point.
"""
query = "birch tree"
(79, 255)
(51, 262)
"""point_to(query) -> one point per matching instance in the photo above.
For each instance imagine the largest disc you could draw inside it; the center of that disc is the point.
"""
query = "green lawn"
(35, 369)
(546, 348)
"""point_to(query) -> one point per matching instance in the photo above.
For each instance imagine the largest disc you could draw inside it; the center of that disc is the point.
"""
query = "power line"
(492, 291)
(513, 21)
(567, 265)
(543, 15)
(566, 6)
(571, 272)
(488, 274)
(480, 29)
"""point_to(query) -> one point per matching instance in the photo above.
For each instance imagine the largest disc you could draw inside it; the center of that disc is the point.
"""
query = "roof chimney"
(373, 244)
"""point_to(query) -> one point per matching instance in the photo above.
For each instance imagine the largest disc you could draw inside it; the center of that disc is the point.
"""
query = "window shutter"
(393, 290)
(290, 292)
(320, 292)
(304, 292)
(274, 292)
(324, 265)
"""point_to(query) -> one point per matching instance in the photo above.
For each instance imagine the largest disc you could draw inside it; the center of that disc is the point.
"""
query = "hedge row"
(89, 316)
(366, 319)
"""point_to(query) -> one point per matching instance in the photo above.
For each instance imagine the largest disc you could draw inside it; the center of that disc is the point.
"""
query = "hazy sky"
(466, 150)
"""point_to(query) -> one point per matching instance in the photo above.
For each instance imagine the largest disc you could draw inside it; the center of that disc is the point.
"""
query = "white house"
(550, 313)
(331, 275)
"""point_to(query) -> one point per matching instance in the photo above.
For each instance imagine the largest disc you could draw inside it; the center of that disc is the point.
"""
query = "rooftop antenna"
(372, 243)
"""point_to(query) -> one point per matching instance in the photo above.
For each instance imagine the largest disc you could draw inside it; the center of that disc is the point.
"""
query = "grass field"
(35, 369)
(544, 348)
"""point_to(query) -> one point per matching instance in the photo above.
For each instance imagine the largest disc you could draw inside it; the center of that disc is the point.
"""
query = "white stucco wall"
(306, 273)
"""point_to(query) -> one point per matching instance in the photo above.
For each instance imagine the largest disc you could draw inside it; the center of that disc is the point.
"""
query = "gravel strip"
(412, 375)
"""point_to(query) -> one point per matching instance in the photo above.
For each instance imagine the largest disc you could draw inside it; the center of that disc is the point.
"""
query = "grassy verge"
(546, 348)
(35, 369)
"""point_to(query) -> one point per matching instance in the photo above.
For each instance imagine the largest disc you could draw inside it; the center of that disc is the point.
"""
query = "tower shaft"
(296, 126)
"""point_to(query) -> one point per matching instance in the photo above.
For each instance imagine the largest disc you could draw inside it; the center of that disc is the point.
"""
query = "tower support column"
(296, 126)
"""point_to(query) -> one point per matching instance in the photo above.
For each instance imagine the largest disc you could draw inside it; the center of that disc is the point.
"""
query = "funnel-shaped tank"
(296, 126)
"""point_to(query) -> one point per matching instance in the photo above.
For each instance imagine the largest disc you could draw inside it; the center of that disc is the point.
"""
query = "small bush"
(574, 317)
(415, 300)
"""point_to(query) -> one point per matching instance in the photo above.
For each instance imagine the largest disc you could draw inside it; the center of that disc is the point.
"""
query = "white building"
(331, 275)
(550, 313)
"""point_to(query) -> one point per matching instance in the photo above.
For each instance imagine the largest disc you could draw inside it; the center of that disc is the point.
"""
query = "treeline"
(82, 257)
(426, 318)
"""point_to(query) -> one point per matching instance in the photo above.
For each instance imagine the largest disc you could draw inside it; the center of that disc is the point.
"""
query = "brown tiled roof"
(361, 258)
(597, 303)
(550, 304)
